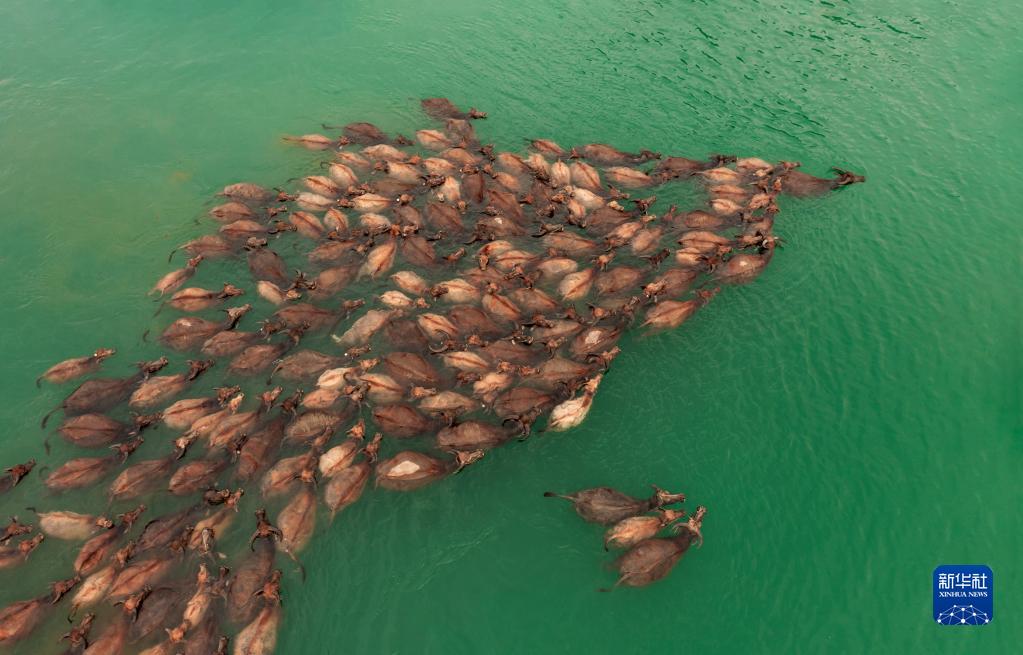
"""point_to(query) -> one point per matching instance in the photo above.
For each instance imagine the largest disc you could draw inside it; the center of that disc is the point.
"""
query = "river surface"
(851, 419)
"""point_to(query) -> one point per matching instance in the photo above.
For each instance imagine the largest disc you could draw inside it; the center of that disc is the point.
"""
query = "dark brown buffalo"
(265, 264)
(400, 420)
(546, 147)
(195, 476)
(405, 333)
(312, 424)
(672, 313)
(91, 591)
(534, 300)
(243, 230)
(305, 364)
(332, 250)
(410, 470)
(286, 474)
(390, 187)
(208, 246)
(226, 433)
(162, 531)
(629, 532)
(364, 133)
(472, 320)
(408, 215)
(744, 267)
(571, 244)
(559, 372)
(346, 487)
(605, 154)
(800, 184)
(520, 400)
(443, 217)
(332, 281)
(605, 219)
(17, 620)
(70, 369)
(410, 368)
(338, 458)
(697, 220)
(246, 191)
(312, 141)
(296, 521)
(473, 185)
(80, 472)
(161, 608)
(595, 340)
(671, 168)
(305, 315)
(503, 225)
(112, 640)
(139, 575)
(446, 404)
(608, 506)
(558, 329)
(442, 109)
(92, 430)
(156, 389)
(246, 579)
(258, 450)
(618, 279)
(194, 299)
(506, 204)
(472, 435)
(95, 551)
(183, 413)
(672, 283)
(418, 251)
(141, 478)
(258, 358)
(231, 211)
(175, 279)
(202, 639)
(231, 342)
(510, 351)
(190, 332)
(260, 636)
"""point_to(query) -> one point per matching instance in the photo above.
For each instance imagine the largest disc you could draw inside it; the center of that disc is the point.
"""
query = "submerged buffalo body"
(607, 506)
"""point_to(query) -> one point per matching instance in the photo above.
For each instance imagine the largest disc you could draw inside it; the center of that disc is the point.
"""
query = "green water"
(851, 419)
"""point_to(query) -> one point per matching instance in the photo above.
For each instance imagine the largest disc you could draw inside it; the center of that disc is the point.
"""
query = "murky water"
(851, 419)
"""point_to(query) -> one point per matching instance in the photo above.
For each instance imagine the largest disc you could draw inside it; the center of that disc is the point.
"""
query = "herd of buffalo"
(424, 300)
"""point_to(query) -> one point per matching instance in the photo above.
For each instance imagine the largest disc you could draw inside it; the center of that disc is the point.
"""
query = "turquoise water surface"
(851, 419)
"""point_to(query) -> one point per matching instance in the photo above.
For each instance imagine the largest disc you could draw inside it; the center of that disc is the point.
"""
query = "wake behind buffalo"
(439, 299)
